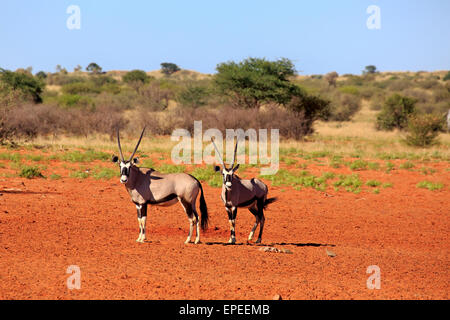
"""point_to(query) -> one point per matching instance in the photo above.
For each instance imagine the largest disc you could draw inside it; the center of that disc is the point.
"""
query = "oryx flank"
(147, 186)
(238, 193)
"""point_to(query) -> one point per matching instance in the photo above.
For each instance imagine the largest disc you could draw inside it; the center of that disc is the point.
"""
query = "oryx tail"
(269, 201)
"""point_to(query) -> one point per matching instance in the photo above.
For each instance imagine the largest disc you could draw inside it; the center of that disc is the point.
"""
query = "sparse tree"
(60, 69)
(41, 75)
(370, 70)
(78, 68)
(93, 68)
(136, 78)
(331, 78)
(169, 68)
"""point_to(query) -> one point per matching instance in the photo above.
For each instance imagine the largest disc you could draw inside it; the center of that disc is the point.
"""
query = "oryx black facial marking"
(238, 193)
(149, 187)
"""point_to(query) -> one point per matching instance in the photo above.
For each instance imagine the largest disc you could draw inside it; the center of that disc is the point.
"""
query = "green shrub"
(407, 165)
(358, 165)
(193, 96)
(351, 183)
(349, 90)
(80, 88)
(342, 108)
(74, 100)
(105, 173)
(430, 185)
(136, 76)
(170, 168)
(447, 76)
(395, 112)
(30, 172)
(423, 129)
(31, 87)
(373, 183)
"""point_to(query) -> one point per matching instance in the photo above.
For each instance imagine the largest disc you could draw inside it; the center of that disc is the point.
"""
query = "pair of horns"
(220, 156)
(135, 149)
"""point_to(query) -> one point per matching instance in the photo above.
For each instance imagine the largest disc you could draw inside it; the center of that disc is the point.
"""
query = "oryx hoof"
(188, 240)
(197, 241)
(232, 241)
(259, 240)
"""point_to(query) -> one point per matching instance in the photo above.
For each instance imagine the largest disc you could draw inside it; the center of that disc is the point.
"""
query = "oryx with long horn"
(239, 193)
(149, 187)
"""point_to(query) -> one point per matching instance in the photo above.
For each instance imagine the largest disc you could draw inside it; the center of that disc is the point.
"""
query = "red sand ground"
(45, 226)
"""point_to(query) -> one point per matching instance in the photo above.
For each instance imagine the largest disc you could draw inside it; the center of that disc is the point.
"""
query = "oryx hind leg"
(261, 217)
(190, 213)
(255, 212)
(197, 223)
(142, 219)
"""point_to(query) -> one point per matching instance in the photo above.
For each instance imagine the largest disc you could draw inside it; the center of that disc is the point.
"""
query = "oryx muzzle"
(149, 187)
(238, 193)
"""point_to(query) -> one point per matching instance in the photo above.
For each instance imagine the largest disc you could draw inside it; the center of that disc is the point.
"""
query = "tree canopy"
(23, 82)
(254, 81)
(169, 68)
(93, 68)
(136, 76)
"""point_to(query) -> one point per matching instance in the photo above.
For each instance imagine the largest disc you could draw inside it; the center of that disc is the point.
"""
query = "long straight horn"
(218, 153)
(120, 148)
(137, 146)
(234, 156)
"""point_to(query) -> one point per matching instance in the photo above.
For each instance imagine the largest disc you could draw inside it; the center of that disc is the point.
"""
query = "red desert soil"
(46, 226)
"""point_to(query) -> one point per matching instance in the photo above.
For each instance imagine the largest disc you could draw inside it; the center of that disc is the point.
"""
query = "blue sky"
(319, 36)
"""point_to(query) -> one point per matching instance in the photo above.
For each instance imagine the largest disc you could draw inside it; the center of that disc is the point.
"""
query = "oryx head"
(227, 173)
(125, 165)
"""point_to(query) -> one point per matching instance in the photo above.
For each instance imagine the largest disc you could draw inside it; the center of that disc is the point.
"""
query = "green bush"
(30, 172)
(432, 186)
(447, 76)
(349, 90)
(79, 88)
(423, 129)
(23, 82)
(193, 96)
(169, 68)
(136, 76)
(395, 112)
(343, 107)
(74, 100)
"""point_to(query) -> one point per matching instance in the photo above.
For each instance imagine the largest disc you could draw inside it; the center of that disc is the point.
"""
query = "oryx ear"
(115, 159)
(216, 168)
(236, 167)
(135, 160)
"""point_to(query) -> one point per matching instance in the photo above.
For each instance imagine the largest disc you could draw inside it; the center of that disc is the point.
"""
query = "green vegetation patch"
(432, 186)
(30, 172)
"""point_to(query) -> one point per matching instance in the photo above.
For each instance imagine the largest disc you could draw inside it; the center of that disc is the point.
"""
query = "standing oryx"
(147, 186)
(238, 193)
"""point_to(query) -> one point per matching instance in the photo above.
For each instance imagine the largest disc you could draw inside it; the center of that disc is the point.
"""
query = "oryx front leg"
(232, 221)
(142, 219)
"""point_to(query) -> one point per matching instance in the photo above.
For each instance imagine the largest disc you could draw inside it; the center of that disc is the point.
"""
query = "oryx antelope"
(238, 193)
(147, 186)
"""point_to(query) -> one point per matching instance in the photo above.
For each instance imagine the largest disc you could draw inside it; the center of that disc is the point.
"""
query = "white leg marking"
(197, 238)
(250, 237)
(233, 231)
(191, 229)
